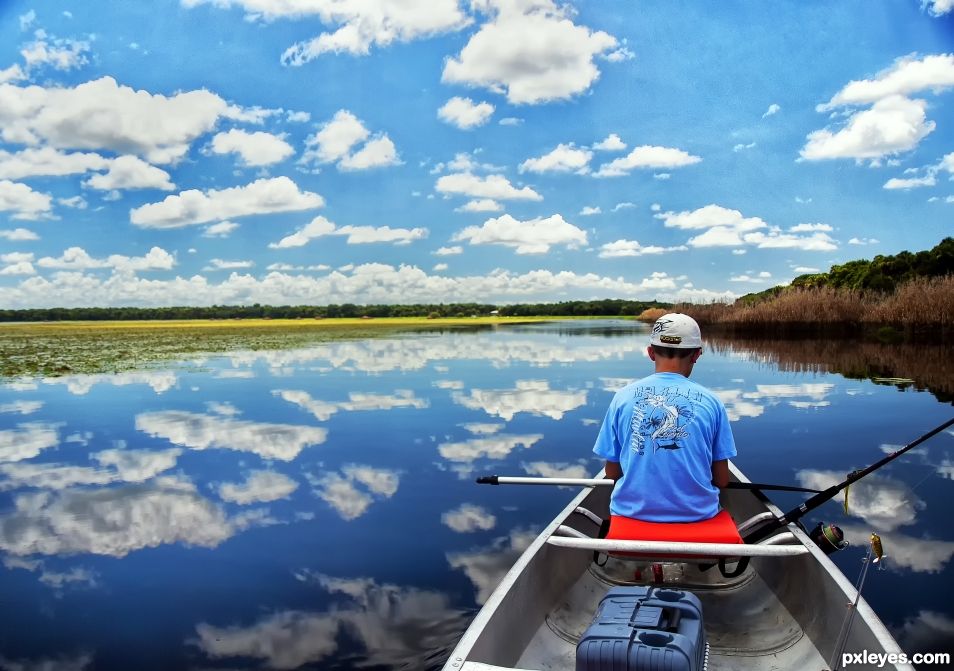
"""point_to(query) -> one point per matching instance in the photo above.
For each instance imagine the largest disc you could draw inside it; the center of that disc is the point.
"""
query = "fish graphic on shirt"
(656, 421)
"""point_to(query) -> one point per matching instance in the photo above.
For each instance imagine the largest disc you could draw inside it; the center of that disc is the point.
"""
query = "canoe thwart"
(669, 548)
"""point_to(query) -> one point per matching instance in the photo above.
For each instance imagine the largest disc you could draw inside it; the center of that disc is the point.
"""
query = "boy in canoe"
(667, 440)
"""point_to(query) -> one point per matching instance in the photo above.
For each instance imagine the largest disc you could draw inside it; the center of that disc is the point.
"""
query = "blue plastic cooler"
(644, 629)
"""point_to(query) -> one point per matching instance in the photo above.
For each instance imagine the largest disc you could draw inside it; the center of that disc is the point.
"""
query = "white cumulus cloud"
(22, 201)
(361, 24)
(277, 194)
(724, 227)
(496, 187)
(57, 53)
(378, 152)
(557, 63)
(533, 236)
(18, 234)
(220, 230)
(622, 248)
(611, 142)
(892, 126)
(565, 158)
(131, 172)
(910, 182)
(335, 140)
(907, 76)
(465, 113)
(77, 258)
(480, 205)
(647, 157)
(366, 283)
(356, 235)
(938, 7)
(102, 114)
(47, 161)
(258, 148)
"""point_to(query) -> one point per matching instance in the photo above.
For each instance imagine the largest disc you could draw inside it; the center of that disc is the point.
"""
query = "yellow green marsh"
(66, 348)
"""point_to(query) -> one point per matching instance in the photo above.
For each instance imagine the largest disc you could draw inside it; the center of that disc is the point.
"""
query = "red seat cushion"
(718, 529)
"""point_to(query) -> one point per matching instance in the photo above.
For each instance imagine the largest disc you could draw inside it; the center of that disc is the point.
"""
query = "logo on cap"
(670, 340)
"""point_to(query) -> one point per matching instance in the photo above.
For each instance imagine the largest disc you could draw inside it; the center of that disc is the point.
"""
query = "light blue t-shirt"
(665, 431)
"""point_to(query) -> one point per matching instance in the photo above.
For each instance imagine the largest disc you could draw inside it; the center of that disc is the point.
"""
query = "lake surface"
(315, 508)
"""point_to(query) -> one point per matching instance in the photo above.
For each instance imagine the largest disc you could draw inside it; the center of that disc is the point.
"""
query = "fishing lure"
(877, 549)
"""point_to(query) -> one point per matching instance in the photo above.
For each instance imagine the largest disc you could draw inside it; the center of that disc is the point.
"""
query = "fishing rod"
(603, 482)
(826, 495)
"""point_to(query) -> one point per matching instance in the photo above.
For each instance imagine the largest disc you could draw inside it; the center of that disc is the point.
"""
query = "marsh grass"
(921, 308)
(67, 348)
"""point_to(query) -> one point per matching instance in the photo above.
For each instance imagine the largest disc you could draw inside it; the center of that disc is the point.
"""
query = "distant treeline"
(881, 274)
(601, 308)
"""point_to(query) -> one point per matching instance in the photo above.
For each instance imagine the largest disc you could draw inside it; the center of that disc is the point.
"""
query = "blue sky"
(379, 151)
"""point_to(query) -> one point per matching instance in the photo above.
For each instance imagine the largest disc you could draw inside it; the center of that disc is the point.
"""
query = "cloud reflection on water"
(486, 567)
(21, 407)
(357, 401)
(76, 576)
(127, 466)
(530, 396)
(259, 487)
(498, 350)
(200, 432)
(113, 521)
(497, 446)
(160, 381)
(76, 662)
(922, 555)
(27, 440)
(928, 632)
(740, 403)
(883, 502)
(468, 517)
(352, 491)
(555, 470)
(392, 626)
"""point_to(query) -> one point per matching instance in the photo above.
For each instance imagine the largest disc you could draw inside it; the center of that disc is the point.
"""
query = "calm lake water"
(315, 508)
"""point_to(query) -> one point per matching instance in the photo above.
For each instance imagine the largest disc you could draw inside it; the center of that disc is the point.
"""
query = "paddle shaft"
(603, 482)
(830, 493)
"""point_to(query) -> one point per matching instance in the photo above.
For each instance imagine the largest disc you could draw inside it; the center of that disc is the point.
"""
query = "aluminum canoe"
(782, 612)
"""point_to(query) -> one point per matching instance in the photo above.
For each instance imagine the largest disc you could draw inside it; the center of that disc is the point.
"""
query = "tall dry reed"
(920, 303)
(917, 305)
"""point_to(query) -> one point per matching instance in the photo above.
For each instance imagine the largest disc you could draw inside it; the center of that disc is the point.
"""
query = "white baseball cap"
(676, 330)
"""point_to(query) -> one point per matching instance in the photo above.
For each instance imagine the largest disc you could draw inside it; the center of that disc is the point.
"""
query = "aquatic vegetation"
(66, 348)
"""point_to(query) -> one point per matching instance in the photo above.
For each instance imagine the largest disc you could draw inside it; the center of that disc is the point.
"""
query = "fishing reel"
(828, 538)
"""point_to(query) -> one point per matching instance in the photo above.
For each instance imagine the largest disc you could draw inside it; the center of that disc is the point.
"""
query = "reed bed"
(919, 307)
